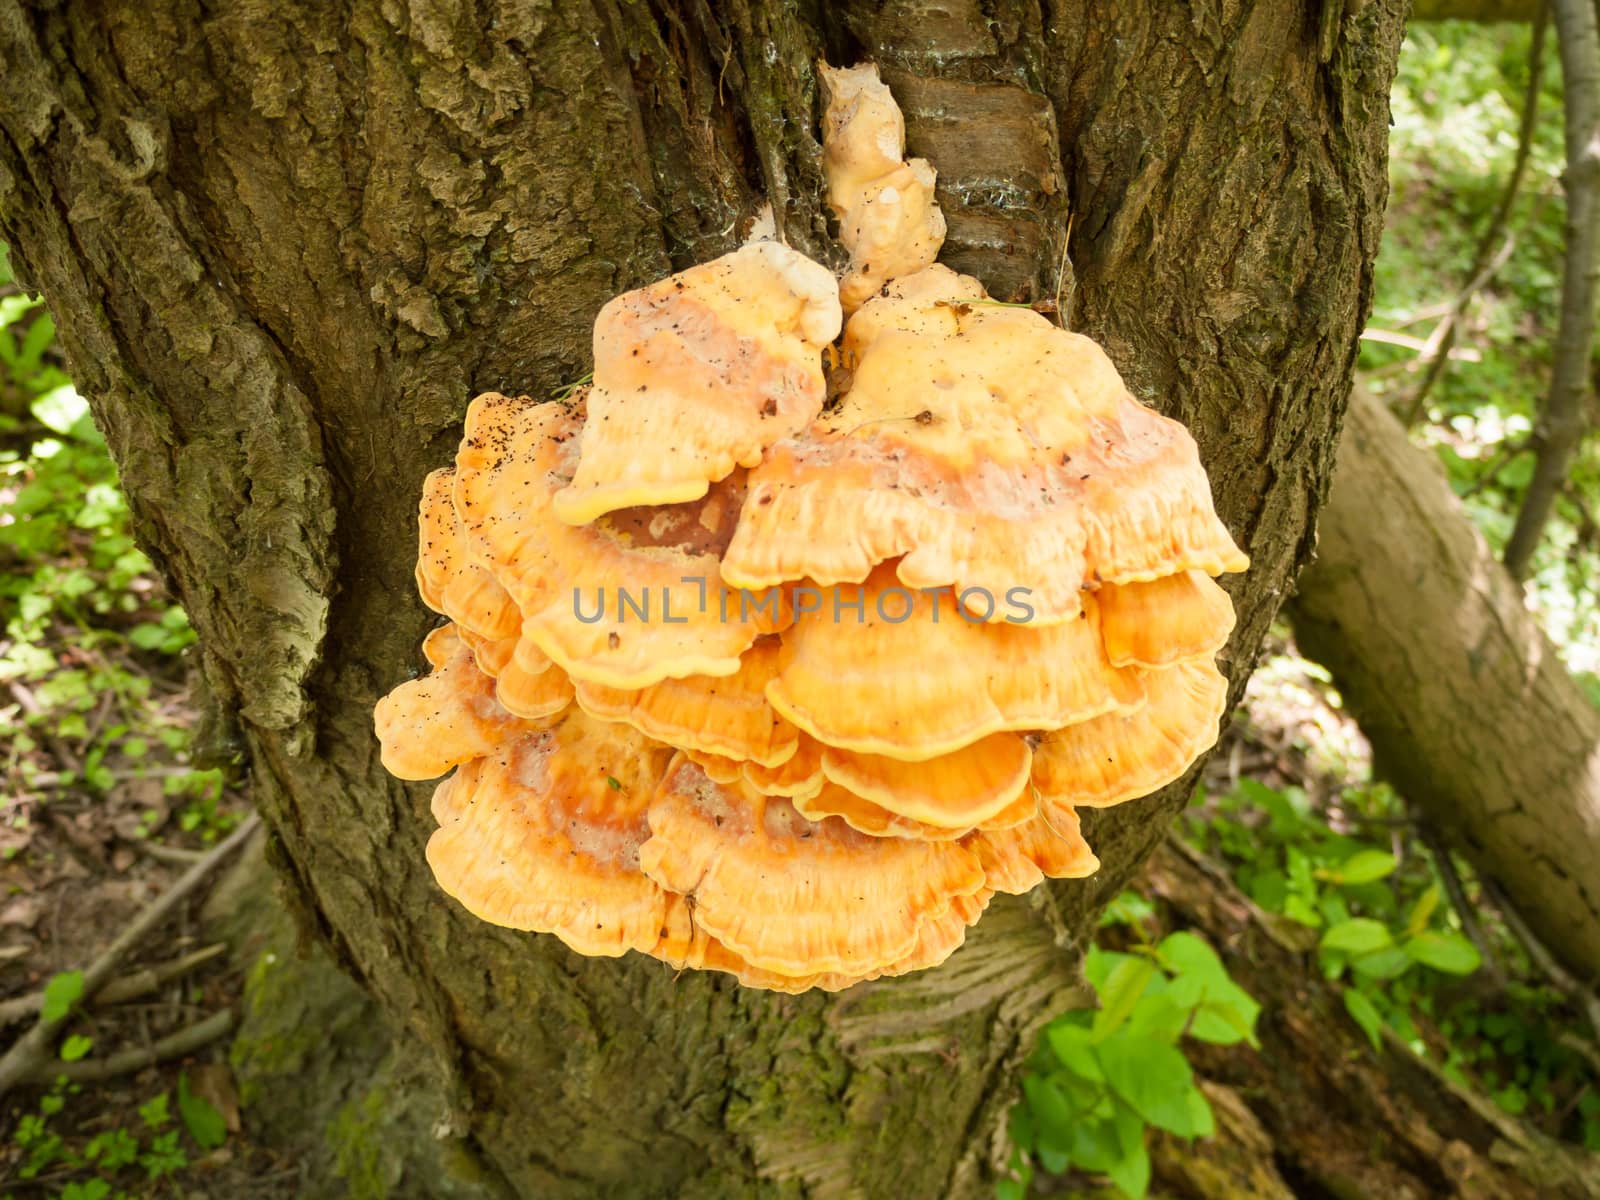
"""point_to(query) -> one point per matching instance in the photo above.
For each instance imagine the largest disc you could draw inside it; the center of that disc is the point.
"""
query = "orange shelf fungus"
(750, 686)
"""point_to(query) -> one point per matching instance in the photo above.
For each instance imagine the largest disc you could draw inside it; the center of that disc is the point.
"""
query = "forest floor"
(90, 836)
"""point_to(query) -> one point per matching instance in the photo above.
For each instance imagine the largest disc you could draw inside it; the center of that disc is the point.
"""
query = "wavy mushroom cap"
(727, 716)
(545, 833)
(698, 374)
(1018, 859)
(907, 675)
(450, 715)
(1164, 621)
(1121, 756)
(624, 602)
(449, 580)
(685, 944)
(959, 790)
(990, 449)
(791, 895)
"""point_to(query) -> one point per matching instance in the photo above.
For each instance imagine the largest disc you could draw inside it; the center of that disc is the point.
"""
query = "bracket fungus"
(754, 686)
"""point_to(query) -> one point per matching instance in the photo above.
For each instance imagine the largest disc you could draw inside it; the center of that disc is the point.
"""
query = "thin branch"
(127, 987)
(33, 1048)
(1487, 261)
(176, 1045)
(1561, 418)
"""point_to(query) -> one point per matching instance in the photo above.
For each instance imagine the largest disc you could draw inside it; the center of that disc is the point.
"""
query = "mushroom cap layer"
(990, 449)
(525, 680)
(685, 944)
(1164, 621)
(544, 834)
(959, 790)
(724, 715)
(791, 895)
(698, 374)
(1118, 756)
(627, 601)
(936, 681)
(449, 580)
(450, 715)
(1018, 859)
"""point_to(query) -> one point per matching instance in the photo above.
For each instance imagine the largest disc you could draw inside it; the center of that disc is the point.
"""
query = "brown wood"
(1468, 707)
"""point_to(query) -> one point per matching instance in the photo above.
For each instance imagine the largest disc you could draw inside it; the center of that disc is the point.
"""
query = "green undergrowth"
(1352, 887)
(1368, 902)
(1101, 1080)
(90, 646)
(123, 1162)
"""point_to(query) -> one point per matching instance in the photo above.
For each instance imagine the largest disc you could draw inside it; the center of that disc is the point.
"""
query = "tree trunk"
(286, 243)
(1468, 707)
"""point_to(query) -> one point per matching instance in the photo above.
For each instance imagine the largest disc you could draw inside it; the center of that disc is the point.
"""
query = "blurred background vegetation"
(97, 719)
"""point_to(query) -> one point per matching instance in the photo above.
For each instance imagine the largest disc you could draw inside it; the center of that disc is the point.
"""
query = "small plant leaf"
(1365, 1015)
(60, 994)
(1358, 935)
(201, 1118)
(1448, 952)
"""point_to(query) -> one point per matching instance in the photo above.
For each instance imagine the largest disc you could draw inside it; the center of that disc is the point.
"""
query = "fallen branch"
(116, 991)
(176, 1045)
(32, 1050)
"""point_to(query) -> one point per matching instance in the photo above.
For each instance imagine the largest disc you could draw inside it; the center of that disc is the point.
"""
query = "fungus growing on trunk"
(751, 687)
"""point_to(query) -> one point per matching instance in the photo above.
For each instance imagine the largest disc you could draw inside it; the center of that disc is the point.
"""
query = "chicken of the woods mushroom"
(755, 681)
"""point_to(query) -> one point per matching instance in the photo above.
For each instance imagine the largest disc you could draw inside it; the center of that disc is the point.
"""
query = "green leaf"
(201, 1118)
(1200, 1114)
(1364, 866)
(1358, 935)
(1052, 1115)
(1365, 1015)
(1422, 912)
(1228, 1016)
(1095, 1145)
(1387, 963)
(60, 994)
(1121, 992)
(1073, 1045)
(153, 1112)
(75, 1047)
(1448, 952)
(1152, 1077)
(1185, 953)
(65, 412)
(1132, 1174)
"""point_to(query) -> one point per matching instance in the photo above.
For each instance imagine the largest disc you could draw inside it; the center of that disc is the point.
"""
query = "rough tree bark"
(1469, 709)
(286, 243)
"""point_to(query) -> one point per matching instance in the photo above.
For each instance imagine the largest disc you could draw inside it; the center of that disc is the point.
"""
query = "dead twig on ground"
(33, 1048)
(186, 1041)
(117, 991)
